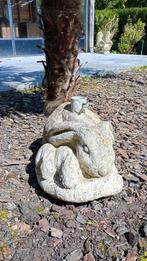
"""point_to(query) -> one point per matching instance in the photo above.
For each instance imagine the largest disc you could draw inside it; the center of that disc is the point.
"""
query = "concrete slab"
(24, 72)
(20, 72)
(97, 63)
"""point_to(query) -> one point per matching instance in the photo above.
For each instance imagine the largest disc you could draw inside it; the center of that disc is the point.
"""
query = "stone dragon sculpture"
(76, 162)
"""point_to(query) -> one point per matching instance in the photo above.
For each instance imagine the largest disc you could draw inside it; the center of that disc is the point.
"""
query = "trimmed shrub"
(103, 4)
(138, 3)
(106, 21)
(132, 34)
(133, 13)
(102, 20)
(109, 4)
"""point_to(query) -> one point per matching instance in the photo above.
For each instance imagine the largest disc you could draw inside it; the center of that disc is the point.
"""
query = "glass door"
(5, 30)
(19, 27)
(25, 19)
(26, 26)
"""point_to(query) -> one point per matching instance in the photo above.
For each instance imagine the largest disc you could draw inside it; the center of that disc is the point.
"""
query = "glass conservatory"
(19, 27)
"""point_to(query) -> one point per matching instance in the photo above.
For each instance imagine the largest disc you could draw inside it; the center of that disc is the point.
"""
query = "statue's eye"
(85, 148)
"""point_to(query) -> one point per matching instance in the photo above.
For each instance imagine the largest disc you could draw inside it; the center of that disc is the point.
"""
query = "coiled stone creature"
(76, 162)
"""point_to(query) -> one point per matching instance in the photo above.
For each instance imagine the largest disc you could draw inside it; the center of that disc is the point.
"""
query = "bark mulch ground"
(35, 226)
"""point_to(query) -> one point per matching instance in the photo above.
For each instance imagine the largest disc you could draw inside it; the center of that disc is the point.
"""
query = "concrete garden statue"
(76, 161)
(103, 43)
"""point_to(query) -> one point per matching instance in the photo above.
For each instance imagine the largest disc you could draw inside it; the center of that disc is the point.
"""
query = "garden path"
(24, 72)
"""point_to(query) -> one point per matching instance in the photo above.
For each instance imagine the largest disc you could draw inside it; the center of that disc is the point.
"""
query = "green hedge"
(101, 17)
(134, 13)
(102, 4)
(124, 14)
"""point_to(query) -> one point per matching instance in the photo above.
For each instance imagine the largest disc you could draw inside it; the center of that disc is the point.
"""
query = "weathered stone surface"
(76, 163)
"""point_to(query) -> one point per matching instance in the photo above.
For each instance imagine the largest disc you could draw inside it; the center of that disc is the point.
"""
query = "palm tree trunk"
(62, 30)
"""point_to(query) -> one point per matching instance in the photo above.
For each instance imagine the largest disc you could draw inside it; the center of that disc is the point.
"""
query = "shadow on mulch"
(20, 102)
(30, 170)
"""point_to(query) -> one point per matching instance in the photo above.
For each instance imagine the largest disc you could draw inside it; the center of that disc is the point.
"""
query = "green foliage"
(119, 4)
(38, 3)
(109, 4)
(133, 13)
(4, 214)
(132, 34)
(124, 14)
(141, 68)
(106, 21)
(32, 90)
(136, 3)
(102, 17)
(143, 258)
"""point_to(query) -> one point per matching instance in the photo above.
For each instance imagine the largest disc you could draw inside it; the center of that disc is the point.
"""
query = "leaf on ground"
(111, 233)
(130, 200)
(123, 153)
(44, 225)
(89, 257)
(142, 176)
(57, 242)
(24, 228)
(132, 256)
(5, 251)
(102, 224)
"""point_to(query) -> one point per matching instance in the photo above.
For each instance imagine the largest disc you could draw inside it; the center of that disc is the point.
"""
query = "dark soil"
(107, 229)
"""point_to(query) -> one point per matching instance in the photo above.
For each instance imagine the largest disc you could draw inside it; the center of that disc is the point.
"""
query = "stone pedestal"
(76, 162)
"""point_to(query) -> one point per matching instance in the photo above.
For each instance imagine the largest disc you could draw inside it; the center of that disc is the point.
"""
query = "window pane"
(4, 20)
(6, 48)
(25, 18)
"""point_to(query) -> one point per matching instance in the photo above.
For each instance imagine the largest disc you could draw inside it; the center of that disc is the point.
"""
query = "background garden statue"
(76, 162)
(103, 42)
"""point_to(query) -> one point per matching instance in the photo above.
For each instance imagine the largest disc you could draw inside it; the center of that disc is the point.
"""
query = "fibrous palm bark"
(62, 30)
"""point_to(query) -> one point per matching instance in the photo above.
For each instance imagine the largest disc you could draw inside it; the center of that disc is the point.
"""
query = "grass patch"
(14, 233)
(143, 258)
(139, 68)
(4, 214)
(32, 90)
(40, 210)
(88, 83)
(56, 216)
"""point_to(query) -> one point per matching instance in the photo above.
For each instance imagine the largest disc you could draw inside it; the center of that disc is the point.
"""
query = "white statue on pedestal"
(104, 42)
